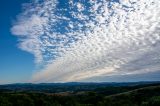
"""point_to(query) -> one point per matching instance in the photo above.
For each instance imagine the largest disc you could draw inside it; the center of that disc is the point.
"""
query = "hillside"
(148, 96)
(128, 95)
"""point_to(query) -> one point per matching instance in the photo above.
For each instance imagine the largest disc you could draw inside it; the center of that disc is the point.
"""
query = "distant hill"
(81, 94)
(71, 86)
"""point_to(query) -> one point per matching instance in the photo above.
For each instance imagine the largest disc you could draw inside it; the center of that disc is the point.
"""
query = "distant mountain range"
(81, 94)
(71, 86)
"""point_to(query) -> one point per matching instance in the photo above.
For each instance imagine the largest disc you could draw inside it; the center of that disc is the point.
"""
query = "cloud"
(150, 76)
(83, 39)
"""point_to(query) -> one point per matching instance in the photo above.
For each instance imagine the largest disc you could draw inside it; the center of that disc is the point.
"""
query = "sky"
(45, 41)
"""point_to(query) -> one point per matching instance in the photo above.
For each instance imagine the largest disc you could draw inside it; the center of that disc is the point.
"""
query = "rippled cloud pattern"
(80, 39)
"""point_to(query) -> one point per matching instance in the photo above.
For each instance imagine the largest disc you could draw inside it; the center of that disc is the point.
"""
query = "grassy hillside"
(147, 95)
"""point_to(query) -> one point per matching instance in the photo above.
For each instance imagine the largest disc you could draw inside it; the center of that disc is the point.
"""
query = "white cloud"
(101, 38)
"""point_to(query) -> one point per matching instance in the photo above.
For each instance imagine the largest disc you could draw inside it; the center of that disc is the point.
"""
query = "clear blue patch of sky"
(15, 65)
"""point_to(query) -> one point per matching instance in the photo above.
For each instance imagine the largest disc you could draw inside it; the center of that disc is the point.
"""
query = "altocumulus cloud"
(79, 39)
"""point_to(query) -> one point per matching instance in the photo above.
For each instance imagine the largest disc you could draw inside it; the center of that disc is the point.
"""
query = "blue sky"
(79, 40)
(15, 65)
